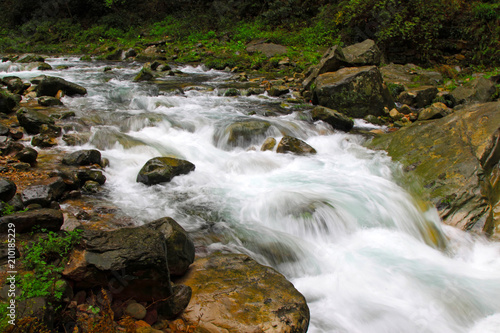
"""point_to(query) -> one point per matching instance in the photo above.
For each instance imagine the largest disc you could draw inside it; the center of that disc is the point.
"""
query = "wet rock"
(180, 247)
(355, 92)
(44, 218)
(91, 186)
(44, 67)
(131, 262)
(82, 157)
(278, 90)
(76, 139)
(242, 133)
(93, 175)
(332, 61)
(27, 155)
(15, 85)
(49, 101)
(43, 141)
(145, 74)
(289, 144)
(365, 53)
(130, 53)
(435, 111)
(50, 85)
(44, 192)
(457, 160)
(32, 120)
(232, 92)
(115, 55)
(418, 97)
(31, 58)
(336, 119)
(4, 130)
(7, 102)
(173, 306)
(232, 292)
(269, 144)
(479, 90)
(162, 169)
(7, 189)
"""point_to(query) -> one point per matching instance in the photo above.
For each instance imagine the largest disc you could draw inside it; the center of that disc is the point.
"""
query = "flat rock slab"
(233, 293)
(49, 219)
(268, 49)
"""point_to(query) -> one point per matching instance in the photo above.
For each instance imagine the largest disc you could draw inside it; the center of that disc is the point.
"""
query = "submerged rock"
(162, 169)
(355, 92)
(244, 132)
(269, 144)
(457, 159)
(233, 293)
(289, 144)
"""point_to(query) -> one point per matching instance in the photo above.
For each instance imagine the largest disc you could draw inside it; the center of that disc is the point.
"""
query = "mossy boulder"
(332, 61)
(336, 119)
(457, 160)
(233, 293)
(15, 85)
(243, 133)
(365, 53)
(289, 144)
(7, 102)
(355, 92)
(162, 169)
(478, 90)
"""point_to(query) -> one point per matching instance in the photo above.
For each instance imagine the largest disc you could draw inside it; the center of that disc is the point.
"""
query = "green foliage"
(9, 209)
(45, 260)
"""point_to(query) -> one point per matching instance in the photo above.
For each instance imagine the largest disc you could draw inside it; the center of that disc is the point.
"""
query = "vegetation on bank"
(441, 31)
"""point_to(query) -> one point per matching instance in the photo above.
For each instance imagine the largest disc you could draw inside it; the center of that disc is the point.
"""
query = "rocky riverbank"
(148, 278)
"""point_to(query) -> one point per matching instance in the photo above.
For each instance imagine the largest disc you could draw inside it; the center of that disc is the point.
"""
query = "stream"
(367, 255)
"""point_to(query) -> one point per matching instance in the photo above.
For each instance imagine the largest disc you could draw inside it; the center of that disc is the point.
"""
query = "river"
(367, 255)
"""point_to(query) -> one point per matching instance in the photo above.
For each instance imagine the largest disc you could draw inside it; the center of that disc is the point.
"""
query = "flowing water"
(364, 253)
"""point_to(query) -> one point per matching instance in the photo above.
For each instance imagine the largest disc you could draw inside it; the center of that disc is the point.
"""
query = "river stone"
(233, 293)
(479, 90)
(457, 160)
(336, 119)
(162, 169)
(44, 192)
(43, 141)
(269, 144)
(130, 262)
(278, 90)
(32, 120)
(27, 155)
(4, 130)
(7, 189)
(365, 53)
(31, 58)
(82, 157)
(180, 247)
(85, 175)
(289, 144)
(14, 84)
(242, 133)
(435, 111)
(145, 74)
(136, 310)
(45, 218)
(7, 102)
(418, 97)
(409, 75)
(332, 61)
(173, 306)
(49, 101)
(355, 92)
(50, 85)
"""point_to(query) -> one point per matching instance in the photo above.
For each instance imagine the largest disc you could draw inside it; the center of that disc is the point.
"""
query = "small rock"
(82, 157)
(162, 169)
(136, 310)
(7, 189)
(289, 144)
(269, 144)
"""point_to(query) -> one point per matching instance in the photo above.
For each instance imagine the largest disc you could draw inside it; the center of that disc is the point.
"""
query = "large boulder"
(44, 192)
(478, 90)
(233, 293)
(243, 133)
(355, 92)
(336, 119)
(50, 219)
(332, 61)
(82, 157)
(7, 102)
(162, 169)
(32, 120)
(50, 85)
(180, 247)
(410, 75)
(131, 262)
(15, 85)
(289, 144)
(457, 160)
(365, 53)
